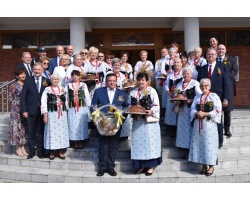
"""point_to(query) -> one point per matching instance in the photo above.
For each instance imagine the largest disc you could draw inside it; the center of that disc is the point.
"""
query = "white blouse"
(82, 86)
(155, 106)
(48, 90)
(217, 107)
(139, 64)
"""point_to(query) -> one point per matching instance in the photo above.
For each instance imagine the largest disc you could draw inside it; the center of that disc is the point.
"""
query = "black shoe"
(149, 173)
(100, 172)
(40, 155)
(209, 174)
(220, 145)
(30, 156)
(112, 172)
(61, 157)
(228, 134)
(140, 171)
(52, 158)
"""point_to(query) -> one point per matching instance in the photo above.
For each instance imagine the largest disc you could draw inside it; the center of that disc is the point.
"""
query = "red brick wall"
(10, 58)
(243, 85)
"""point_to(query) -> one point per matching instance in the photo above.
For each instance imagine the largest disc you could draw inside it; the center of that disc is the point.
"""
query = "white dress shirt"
(213, 65)
(111, 94)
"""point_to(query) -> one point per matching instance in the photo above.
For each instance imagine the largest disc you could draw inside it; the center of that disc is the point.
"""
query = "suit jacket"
(22, 66)
(220, 83)
(52, 65)
(100, 98)
(30, 98)
(232, 66)
(34, 60)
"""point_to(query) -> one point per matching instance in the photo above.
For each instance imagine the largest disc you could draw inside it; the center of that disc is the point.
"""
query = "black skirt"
(138, 164)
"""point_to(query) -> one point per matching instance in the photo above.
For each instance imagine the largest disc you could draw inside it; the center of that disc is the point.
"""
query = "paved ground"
(240, 113)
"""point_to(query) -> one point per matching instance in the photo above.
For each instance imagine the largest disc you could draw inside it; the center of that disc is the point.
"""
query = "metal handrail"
(4, 96)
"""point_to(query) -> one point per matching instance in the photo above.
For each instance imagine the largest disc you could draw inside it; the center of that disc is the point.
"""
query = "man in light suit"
(26, 65)
(54, 62)
(231, 63)
(31, 110)
(108, 145)
(220, 83)
(70, 53)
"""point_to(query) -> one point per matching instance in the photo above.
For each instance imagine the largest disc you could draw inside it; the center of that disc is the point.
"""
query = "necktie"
(37, 84)
(210, 72)
(220, 60)
(29, 70)
(60, 62)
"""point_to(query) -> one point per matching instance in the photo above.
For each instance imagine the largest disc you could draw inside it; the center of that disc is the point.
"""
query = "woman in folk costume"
(98, 68)
(170, 85)
(143, 64)
(54, 111)
(198, 61)
(78, 112)
(146, 136)
(166, 68)
(188, 88)
(126, 68)
(77, 65)
(205, 113)
(61, 70)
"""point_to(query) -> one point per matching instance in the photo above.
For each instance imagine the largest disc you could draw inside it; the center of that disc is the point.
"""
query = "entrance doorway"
(134, 56)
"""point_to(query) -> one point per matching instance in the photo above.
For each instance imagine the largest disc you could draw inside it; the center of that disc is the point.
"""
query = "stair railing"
(4, 96)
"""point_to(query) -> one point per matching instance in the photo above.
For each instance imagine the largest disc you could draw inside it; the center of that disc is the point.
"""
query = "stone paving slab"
(12, 174)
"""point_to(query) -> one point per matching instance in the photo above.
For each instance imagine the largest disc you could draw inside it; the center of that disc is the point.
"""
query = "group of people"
(52, 102)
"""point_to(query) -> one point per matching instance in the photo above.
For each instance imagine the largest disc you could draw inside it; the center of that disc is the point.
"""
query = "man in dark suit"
(26, 65)
(232, 66)
(108, 145)
(54, 62)
(41, 53)
(220, 83)
(31, 110)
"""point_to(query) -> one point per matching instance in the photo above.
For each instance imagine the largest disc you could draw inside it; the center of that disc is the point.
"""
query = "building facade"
(113, 35)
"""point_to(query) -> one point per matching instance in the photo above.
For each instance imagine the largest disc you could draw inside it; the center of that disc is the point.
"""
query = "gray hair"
(64, 56)
(172, 49)
(38, 64)
(53, 76)
(116, 60)
(93, 49)
(205, 81)
(186, 69)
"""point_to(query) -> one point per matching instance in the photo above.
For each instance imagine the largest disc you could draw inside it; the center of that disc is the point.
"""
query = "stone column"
(77, 33)
(191, 33)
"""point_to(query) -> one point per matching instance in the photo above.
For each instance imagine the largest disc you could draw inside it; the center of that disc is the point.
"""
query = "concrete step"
(124, 152)
(91, 164)
(4, 119)
(4, 128)
(29, 174)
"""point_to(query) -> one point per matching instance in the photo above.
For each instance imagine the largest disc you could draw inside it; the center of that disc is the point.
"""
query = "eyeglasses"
(84, 53)
(117, 65)
(204, 85)
(100, 56)
(45, 63)
(109, 58)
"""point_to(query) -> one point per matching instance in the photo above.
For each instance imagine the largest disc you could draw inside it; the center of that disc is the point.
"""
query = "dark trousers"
(108, 148)
(227, 120)
(35, 125)
(220, 132)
